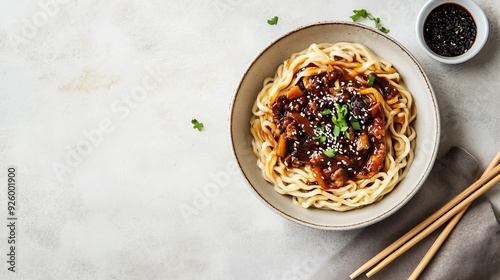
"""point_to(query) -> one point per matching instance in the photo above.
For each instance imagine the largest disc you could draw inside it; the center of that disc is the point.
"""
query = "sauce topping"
(325, 122)
(449, 30)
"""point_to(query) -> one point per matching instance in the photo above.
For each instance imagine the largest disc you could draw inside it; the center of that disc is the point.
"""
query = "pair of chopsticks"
(453, 210)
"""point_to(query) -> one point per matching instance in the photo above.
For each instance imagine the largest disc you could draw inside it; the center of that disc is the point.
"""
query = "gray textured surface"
(148, 197)
(471, 251)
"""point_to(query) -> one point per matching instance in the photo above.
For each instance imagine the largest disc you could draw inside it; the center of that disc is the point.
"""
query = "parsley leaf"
(359, 14)
(383, 29)
(273, 21)
(321, 138)
(365, 14)
(196, 124)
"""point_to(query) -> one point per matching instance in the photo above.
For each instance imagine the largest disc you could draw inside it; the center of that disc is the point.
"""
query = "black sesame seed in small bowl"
(451, 31)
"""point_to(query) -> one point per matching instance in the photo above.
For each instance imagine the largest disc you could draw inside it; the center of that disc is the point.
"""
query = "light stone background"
(114, 183)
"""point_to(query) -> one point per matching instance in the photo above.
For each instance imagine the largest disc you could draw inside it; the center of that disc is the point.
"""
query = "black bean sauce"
(307, 117)
(449, 30)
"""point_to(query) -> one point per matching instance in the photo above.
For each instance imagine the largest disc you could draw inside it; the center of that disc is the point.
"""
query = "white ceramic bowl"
(427, 122)
(480, 20)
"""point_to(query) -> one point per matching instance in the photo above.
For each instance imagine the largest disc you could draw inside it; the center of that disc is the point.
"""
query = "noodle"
(332, 176)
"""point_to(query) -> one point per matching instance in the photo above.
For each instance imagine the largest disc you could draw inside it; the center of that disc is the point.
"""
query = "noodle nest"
(300, 182)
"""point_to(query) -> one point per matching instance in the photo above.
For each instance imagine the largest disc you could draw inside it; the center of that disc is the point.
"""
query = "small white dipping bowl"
(479, 17)
(426, 124)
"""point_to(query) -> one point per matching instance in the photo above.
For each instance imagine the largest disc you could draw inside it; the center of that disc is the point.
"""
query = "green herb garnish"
(321, 135)
(326, 112)
(341, 122)
(336, 131)
(329, 153)
(355, 123)
(339, 119)
(365, 14)
(383, 29)
(359, 14)
(371, 80)
(321, 138)
(273, 21)
(196, 124)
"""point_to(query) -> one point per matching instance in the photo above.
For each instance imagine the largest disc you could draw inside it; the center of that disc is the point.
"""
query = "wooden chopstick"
(435, 225)
(443, 215)
(395, 245)
(446, 231)
(437, 244)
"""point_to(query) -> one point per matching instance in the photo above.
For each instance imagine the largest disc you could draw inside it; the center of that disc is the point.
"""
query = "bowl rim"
(479, 17)
(387, 212)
